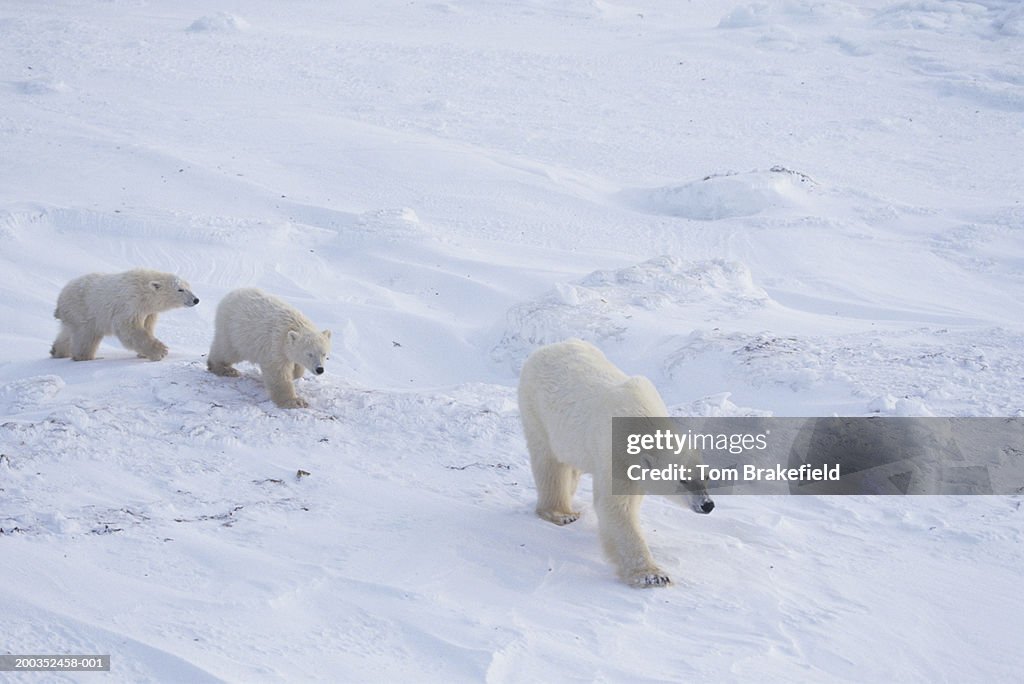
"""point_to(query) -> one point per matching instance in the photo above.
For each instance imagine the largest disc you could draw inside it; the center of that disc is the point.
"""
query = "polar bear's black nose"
(195, 300)
(707, 506)
(319, 370)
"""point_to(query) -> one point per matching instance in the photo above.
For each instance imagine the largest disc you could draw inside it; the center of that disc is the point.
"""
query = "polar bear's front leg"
(297, 371)
(556, 482)
(279, 383)
(138, 339)
(149, 325)
(618, 519)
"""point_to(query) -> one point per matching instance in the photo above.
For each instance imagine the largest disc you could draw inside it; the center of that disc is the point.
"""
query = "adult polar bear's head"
(640, 400)
(690, 492)
(309, 349)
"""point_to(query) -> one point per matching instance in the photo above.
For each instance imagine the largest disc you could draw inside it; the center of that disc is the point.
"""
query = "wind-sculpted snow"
(938, 370)
(769, 208)
(724, 196)
(605, 306)
(199, 513)
(166, 419)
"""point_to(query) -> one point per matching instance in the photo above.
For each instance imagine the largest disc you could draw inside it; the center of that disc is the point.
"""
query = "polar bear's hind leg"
(84, 343)
(61, 348)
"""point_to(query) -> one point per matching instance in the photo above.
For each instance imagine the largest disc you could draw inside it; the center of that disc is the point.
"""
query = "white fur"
(568, 394)
(123, 304)
(255, 326)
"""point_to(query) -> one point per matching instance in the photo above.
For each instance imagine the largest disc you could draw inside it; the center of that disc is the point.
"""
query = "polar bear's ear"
(155, 284)
(326, 334)
(292, 335)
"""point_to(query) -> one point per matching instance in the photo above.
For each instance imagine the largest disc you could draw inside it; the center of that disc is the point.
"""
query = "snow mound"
(920, 374)
(606, 305)
(721, 406)
(793, 11)
(981, 18)
(724, 196)
(221, 22)
(28, 393)
(757, 360)
(392, 224)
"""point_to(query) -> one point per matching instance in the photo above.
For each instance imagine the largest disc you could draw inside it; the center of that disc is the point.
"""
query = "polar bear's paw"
(560, 517)
(645, 579)
(294, 402)
(156, 352)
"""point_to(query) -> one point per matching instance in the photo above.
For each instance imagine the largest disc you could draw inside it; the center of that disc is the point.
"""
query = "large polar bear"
(255, 326)
(123, 304)
(568, 394)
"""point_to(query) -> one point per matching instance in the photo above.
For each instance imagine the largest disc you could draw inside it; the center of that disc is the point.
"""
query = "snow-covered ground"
(779, 207)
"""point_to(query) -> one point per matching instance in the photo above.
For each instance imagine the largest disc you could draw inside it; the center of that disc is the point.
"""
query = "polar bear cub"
(568, 394)
(252, 325)
(127, 304)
